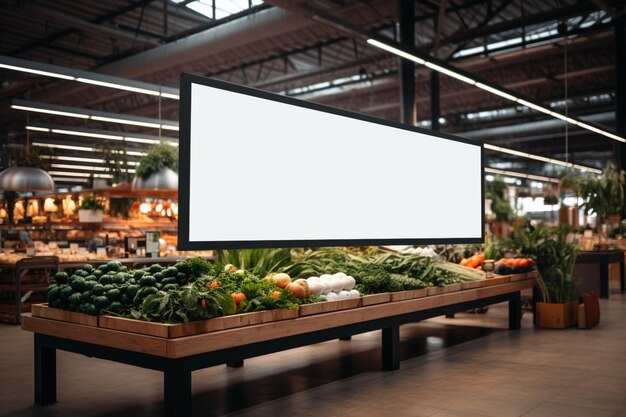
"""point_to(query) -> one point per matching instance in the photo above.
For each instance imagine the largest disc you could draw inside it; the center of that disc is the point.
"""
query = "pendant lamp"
(165, 179)
(25, 179)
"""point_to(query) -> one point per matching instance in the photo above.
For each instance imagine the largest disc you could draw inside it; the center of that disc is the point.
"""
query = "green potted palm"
(158, 170)
(555, 257)
(91, 209)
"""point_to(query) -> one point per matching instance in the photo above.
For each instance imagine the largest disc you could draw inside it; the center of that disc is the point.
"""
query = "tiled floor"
(468, 366)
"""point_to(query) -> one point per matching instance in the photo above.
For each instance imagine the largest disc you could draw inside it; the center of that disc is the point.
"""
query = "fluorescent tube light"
(47, 111)
(450, 73)
(172, 96)
(38, 129)
(38, 72)
(522, 175)
(80, 148)
(395, 51)
(125, 121)
(169, 127)
(140, 140)
(79, 174)
(70, 74)
(65, 179)
(118, 86)
(535, 107)
(496, 91)
(541, 158)
(83, 167)
(87, 134)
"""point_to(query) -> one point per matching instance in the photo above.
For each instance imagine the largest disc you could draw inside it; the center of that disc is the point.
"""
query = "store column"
(406, 18)
(620, 85)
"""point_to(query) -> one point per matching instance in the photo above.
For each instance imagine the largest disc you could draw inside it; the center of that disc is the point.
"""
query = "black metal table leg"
(235, 364)
(391, 348)
(449, 315)
(515, 311)
(45, 373)
(177, 391)
(604, 279)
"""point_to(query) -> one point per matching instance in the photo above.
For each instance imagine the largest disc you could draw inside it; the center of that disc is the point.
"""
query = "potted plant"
(91, 209)
(158, 169)
(603, 195)
(554, 257)
(496, 192)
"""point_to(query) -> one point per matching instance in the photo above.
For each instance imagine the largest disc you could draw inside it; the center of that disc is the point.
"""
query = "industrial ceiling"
(559, 53)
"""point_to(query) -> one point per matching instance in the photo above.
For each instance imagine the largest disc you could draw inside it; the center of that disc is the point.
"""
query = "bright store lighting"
(493, 90)
(38, 129)
(81, 149)
(104, 135)
(522, 175)
(55, 112)
(123, 121)
(102, 80)
(86, 134)
(65, 179)
(542, 158)
(83, 167)
(79, 174)
(101, 116)
(118, 86)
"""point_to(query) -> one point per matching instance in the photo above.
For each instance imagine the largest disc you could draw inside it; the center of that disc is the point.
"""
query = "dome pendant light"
(25, 179)
(165, 179)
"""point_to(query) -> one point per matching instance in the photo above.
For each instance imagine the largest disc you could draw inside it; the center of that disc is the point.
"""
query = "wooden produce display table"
(593, 266)
(177, 357)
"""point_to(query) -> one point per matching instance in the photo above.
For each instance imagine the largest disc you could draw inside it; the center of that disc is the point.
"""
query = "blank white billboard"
(263, 170)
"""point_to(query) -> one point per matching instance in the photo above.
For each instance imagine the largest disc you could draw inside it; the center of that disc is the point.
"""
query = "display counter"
(592, 269)
(178, 357)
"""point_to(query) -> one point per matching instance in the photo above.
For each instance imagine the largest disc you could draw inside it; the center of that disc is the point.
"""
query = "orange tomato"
(464, 262)
(276, 294)
(523, 263)
(480, 257)
(238, 297)
(214, 284)
(479, 268)
(509, 262)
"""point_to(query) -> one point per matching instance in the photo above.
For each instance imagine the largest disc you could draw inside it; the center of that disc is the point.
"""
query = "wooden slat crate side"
(408, 295)
(444, 290)
(369, 300)
(134, 326)
(497, 280)
(96, 335)
(469, 285)
(328, 306)
(44, 311)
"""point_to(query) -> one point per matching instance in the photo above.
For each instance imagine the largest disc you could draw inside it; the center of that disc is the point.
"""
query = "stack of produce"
(505, 266)
(333, 287)
(476, 261)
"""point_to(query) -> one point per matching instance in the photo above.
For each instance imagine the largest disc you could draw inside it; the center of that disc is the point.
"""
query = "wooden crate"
(369, 300)
(172, 331)
(470, 285)
(328, 306)
(556, 316)
(408, 295)
(497, 280)
(43, 311)
(444, 290)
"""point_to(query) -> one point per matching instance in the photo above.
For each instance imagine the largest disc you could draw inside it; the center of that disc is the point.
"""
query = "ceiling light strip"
(522, 175)
(451, 72)
(104, 134)
(96, 115)
(81, 148)
(102, 80)
(542, 158)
